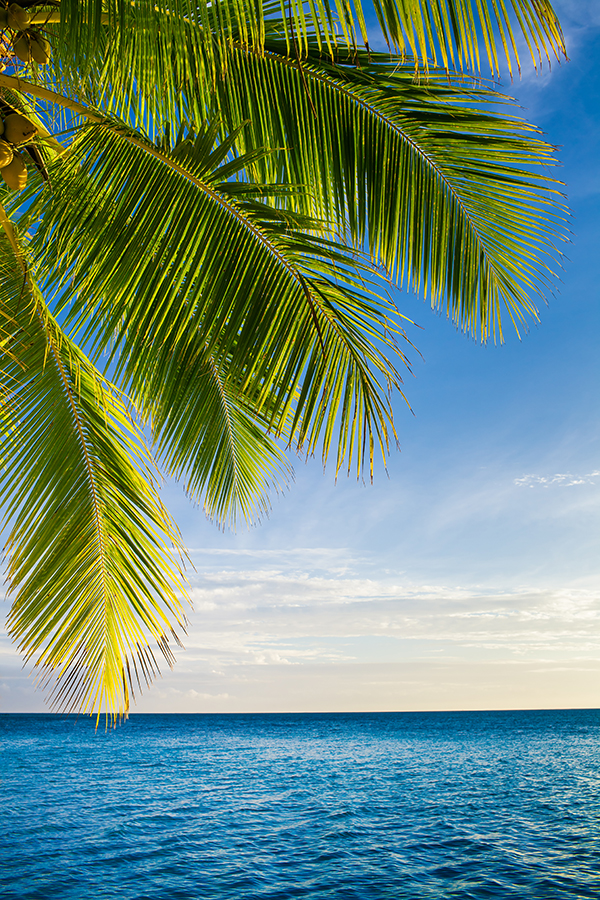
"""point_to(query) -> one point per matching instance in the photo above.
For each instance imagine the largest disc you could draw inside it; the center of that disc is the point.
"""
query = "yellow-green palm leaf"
(90, 547)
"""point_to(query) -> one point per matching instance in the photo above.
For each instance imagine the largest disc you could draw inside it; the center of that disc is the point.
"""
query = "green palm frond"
(210, 435)
(457, 34)
(89, 551)
(435, 178)
(118, 48)
(215, 282)
(437, 183)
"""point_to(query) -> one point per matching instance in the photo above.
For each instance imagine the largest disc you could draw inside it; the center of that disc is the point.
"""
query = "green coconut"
(6, 154)
(18, 129)
(18, 18)
(39, 48)
(21, 48)
(15, 174)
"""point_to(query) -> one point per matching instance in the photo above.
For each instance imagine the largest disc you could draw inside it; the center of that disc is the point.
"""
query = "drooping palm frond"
(119, 47)
(449, 193)
(209, 435)
(443, 188)
(90, 550)
(416, 170)
(187, 277)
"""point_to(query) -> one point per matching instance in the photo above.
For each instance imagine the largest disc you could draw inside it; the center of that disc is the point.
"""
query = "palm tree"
(217, 193)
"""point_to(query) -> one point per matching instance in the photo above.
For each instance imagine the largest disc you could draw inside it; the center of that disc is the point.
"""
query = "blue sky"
(468, 578)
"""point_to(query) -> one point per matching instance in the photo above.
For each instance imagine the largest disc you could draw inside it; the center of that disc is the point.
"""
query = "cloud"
(409, 685)
(289, 615)
(270, 617)
(290, 637)
(331, 559)
(558, 480)
(578, 19)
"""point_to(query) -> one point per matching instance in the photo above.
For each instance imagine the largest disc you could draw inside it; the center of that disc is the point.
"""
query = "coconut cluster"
(28, 43)
(14, 131)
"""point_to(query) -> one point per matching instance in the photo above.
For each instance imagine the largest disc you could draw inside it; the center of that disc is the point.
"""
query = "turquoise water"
(390, 805)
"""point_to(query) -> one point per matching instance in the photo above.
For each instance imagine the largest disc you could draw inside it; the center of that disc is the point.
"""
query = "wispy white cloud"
(578, 18)
(274, 615)
(558, 480)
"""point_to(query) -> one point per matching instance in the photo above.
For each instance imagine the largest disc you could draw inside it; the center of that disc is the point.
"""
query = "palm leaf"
(89, 555)
(209, 434)
(436, 181)
(429, 176)
(111, 46)
(215, 281)
(451, 33)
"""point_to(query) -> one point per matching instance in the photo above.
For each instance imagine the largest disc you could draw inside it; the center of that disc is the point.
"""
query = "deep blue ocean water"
(382, 805)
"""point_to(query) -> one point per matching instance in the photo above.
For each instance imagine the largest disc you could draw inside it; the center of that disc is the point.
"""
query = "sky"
(468, 577)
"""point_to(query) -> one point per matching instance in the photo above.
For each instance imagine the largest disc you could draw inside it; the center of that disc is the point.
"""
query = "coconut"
(21, 48)
(15, 174)
(39, 48)
(6, 154)
(18, 129)
(18, 18)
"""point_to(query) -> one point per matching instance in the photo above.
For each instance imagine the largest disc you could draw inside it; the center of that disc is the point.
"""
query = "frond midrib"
(91, 478)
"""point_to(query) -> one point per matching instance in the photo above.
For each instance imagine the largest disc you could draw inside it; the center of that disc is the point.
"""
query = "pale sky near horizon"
(467, 579)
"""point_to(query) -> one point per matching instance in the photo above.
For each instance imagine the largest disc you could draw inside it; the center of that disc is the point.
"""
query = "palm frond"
(89, 553)
(212, 280)
(209, 434)
(116, 48)
(451, 33)
(443, 189)
(449, 193)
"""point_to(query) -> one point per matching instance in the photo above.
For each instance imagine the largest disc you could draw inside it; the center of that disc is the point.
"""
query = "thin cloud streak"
(566, 480)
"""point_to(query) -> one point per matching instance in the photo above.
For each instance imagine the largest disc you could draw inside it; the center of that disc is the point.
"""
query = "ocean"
(245, 807)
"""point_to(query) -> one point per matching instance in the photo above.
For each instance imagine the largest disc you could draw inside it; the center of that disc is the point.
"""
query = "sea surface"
(242, 807)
